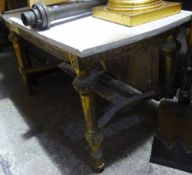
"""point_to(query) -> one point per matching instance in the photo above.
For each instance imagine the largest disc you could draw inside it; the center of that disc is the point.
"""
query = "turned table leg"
(20, 58)
(92, 133)
(170, 50)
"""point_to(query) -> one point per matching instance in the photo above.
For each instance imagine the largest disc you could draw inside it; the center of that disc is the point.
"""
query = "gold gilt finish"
(19, 55)
(92, 133)
(136, 12)
(133, 5)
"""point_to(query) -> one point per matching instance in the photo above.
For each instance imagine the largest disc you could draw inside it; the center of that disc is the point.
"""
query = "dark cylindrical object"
(40, 16)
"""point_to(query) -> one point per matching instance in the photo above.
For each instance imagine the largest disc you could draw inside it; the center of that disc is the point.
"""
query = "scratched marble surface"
(42, 134)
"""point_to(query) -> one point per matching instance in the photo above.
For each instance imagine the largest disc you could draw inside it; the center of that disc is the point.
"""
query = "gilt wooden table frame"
(82, 68)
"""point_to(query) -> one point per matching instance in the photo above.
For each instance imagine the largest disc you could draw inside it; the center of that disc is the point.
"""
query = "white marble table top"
(88, 36)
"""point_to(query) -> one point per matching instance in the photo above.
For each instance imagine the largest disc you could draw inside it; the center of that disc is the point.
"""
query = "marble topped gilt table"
(131, 55)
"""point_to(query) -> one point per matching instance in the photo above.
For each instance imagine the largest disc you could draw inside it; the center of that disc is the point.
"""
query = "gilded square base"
(137, 18)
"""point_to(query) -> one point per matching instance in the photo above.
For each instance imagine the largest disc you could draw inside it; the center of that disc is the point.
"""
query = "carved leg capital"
(83, 86)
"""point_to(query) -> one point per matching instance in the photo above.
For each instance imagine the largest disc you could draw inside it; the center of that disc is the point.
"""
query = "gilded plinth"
(136, 12)
(133, 5)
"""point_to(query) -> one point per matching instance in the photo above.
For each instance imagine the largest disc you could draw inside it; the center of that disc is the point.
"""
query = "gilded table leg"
(170, 50)
(20, 57)
(92, 133)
